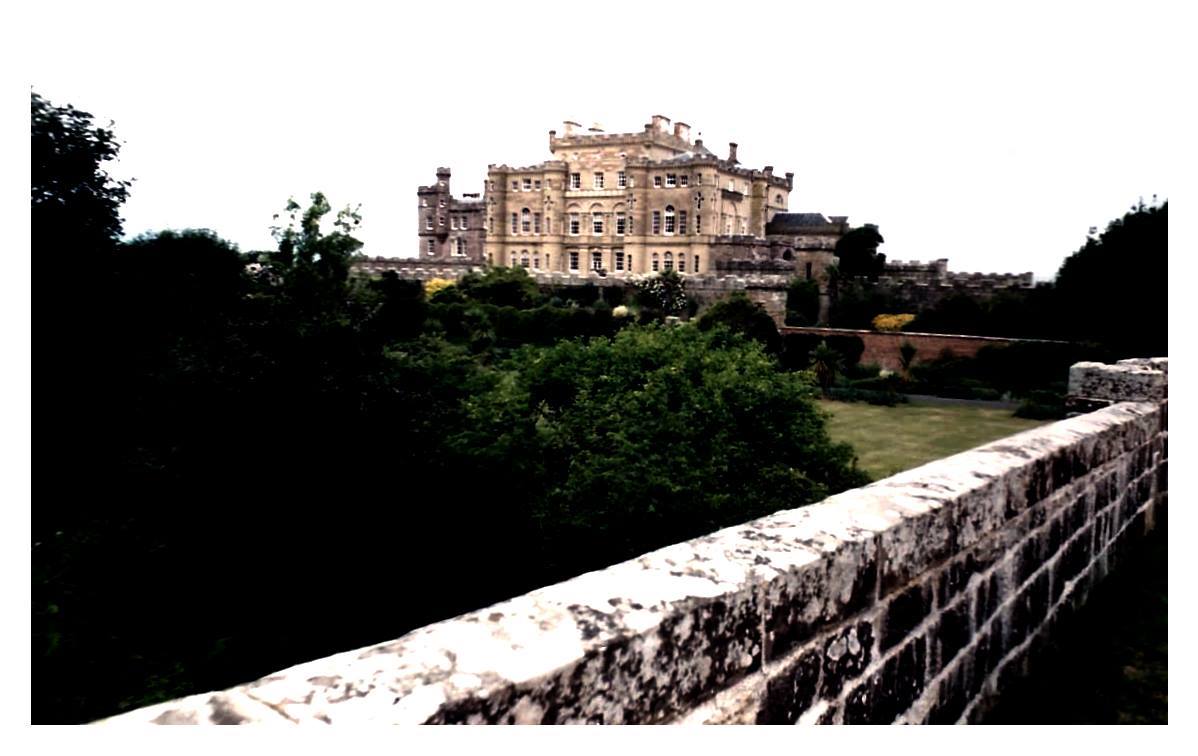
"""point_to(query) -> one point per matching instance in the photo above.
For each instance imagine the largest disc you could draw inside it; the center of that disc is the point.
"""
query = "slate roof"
(795, 223)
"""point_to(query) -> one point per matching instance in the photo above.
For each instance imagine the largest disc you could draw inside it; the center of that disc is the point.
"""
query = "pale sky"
(993, 135)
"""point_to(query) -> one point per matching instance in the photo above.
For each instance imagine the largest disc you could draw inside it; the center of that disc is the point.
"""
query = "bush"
(802, 303)
(892, 322)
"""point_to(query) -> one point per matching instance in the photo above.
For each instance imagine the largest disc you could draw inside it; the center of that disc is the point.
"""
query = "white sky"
(992, 135)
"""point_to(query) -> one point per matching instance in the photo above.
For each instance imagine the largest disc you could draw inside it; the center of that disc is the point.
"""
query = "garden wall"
(913, 599)
(882, 348)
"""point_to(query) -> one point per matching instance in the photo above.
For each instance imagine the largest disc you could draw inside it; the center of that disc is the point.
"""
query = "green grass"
(892, 439)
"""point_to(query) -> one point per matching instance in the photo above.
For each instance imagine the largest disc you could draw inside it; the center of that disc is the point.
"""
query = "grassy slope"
(891, 439)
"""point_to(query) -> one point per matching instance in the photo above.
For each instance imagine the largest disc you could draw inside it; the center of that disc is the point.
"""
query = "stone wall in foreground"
(913, 599)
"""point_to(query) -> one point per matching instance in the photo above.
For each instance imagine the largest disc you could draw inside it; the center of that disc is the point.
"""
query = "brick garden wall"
(914, 599)
(882, 348)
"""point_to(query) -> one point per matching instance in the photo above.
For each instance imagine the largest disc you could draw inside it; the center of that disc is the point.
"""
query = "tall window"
(575, 224)
(536, 185)
(428, 222)
(491, 224)
(671, 179)
(460, 244)
(536, 223)
(596, 260)
(515, 188)
(440, 220)
(575, 180)
(669, 219)
(620, 224)
(682, 222)
(619, 259)
(573, 259)
(655, 264)
(681, 262)
(657, 182)
(431, 247)
(621, 180)
(657, 221)
(597, 224)
(808, 271)
(536, 262)
(698, 224)
(668, 262)
(453, 222)
(524, 259)
(424, 201)
(515, 223)
(599, 180)
(528, 185)
(777, 199)
(743, 227)
(684, 180)
(696, 263)
(526, 220)
(462, 223)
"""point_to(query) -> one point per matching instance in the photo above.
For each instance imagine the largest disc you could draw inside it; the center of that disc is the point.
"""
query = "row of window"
(424, 202)
(667, 222)
(620, 262)
(456, 222)
(458, 248)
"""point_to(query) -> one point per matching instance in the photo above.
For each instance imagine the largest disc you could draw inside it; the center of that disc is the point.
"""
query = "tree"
(802, 302)
(75, 211)
(858, 253)
(739, 314)
(662, 295)
(827, 363)
(907, 352)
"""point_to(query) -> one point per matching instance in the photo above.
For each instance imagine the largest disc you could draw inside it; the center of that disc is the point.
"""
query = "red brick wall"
(883, 348)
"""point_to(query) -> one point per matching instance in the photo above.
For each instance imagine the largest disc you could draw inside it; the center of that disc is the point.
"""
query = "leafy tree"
(739, 314)
(503, 287)
(662, 295)
(802, 302)
(75, 213)
(857, 253)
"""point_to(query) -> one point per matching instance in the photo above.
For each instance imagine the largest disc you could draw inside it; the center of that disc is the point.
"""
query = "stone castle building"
(450, 229)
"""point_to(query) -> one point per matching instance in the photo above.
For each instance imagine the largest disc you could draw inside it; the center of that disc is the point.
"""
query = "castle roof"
(795, 223)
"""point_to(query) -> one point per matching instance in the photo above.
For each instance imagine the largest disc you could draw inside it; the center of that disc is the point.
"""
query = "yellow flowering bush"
(892, 322)
(433, 285)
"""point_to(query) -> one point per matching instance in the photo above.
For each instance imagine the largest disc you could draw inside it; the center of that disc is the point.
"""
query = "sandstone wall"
(914, 599)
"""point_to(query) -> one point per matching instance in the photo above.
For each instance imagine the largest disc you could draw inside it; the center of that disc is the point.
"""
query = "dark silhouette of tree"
(857, 253)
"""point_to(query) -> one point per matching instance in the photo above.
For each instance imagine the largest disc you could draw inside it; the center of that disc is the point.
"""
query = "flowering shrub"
(619, 311)
(432, 286)
(892, 322)
(664, 292)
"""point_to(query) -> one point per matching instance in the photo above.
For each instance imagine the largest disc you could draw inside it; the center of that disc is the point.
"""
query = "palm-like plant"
(826, 362)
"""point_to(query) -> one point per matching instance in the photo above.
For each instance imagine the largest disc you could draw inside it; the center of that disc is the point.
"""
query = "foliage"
(892, 322)
(802, 303)
(907, 352)
(662, 295)
(434, 285)
(502, 287)
(739, 314)
(75, 203)
(857, 253)
(827, 363)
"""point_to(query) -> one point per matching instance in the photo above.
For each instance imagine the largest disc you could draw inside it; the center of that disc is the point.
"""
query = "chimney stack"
(569, 127)
(682, 131)
(732, 153)
(661, 123)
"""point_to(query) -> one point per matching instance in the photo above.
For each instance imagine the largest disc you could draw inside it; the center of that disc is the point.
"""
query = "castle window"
(536, 185)
(657, 182)
(526, 221)
(696, 263)
(453, 222)
(515, 186)
(619, 259)
(515, 223)
(575, 225)
(596, 260)
(671, 179)
(524, 260)
(681, 263)
(536, 223)
(682, 222)
(536, 262)
(655, 263)
(462, 224)
(621, 180)
(460, 243)
(431, 247)
(573, 259)
(424, 201)
(440, 220)
(597, 224)
(743, 227)
(657, 221)
(684, 180)
(441, 203)
(620, 224)
(491, 224)
(698, 224)
(515, 262)
(668, 262)
(808, 271)
(698, 179)
(575, 180)
(777, 199)
(528, 185)
(428, 222)
(599, 180)
(669, 219)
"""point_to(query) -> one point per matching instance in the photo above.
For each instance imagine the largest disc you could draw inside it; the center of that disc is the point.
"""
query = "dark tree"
(739, 314)
(858, 253)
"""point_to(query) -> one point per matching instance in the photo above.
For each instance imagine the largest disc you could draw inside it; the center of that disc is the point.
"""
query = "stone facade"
(916, 599)
(449, 229)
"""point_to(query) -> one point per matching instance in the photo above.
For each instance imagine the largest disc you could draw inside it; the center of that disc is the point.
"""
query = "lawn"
(892, 439)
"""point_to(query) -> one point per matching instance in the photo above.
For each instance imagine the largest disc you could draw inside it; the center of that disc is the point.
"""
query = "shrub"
(892, 322)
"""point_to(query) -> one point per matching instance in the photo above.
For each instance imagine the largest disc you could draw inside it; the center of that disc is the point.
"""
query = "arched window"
(526, 221)
(668, 263)
(524, 259)
(514, 262)
(655, 262)
(669, 219)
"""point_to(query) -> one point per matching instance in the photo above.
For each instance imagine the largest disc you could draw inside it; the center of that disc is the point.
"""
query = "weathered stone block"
(789, 694)
(890, 691)
(904, 613)
(952, 633)
(846, 655)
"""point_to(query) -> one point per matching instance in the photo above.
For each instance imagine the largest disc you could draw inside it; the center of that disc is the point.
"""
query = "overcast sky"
(993, 135)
